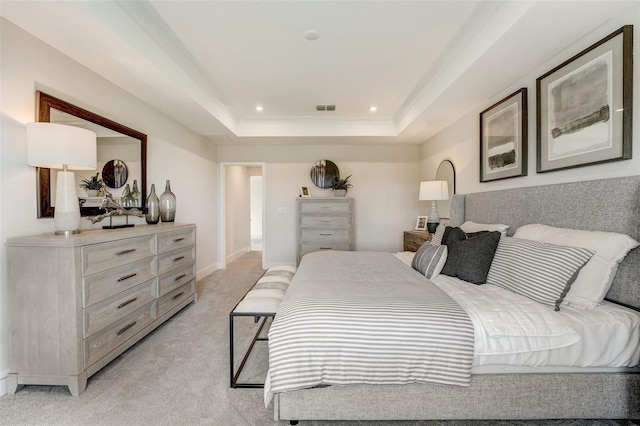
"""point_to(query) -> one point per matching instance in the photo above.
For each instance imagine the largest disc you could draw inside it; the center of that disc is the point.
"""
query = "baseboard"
(271, 263)
(200, 274)
(239, 253)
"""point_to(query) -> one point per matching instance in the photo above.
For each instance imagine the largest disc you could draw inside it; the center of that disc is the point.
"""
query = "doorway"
(240, 217)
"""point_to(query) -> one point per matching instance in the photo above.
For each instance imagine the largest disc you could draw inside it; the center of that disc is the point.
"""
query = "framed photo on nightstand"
(421, 223)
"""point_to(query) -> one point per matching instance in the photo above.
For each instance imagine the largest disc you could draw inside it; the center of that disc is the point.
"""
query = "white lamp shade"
(434, 190)
(53, 145)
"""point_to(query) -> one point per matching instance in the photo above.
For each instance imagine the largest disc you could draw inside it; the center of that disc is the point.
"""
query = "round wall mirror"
(446, 172)
(323, 172)
(115, 174)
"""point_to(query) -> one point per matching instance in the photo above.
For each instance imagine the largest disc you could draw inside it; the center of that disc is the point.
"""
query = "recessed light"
(311, 35)
(259, 108)
(373, 108)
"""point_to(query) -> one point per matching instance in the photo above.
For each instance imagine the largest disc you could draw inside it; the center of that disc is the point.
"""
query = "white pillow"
(405, 256)
(595, 278)
(469, 227)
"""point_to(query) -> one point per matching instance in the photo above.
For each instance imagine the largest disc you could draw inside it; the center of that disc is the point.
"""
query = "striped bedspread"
(364, 317)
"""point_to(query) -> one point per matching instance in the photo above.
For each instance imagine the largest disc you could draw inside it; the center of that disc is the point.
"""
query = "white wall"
(460, 142)
(385, 187)
(173, 152)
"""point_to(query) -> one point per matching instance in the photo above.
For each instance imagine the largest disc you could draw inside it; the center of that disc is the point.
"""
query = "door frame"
(222, 245)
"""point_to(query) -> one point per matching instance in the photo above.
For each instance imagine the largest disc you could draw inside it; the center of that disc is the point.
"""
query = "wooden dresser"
(414, 239)
(76, 303)
(325, 224)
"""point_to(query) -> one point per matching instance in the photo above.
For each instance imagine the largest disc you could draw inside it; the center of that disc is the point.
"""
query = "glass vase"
(167, 204)
(152, 215)
(135, 195)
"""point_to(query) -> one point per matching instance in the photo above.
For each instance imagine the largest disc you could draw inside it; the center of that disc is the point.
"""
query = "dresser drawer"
(103, 342)
(309, 247)
(111, 310)
(327, 234)
(100, 286)
(173, 298)
(100, 257)
(175, 240)
(343, 221)
(175, 279)
(325, 206)
(176, 259)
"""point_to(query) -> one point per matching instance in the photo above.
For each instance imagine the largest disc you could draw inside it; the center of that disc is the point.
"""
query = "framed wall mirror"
(116, 142)
(446, 172)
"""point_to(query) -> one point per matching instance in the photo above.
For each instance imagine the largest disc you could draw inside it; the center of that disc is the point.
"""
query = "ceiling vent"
(325, 107)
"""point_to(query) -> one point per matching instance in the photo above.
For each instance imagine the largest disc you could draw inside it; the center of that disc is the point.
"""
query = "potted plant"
(93, 185)
(340, 186)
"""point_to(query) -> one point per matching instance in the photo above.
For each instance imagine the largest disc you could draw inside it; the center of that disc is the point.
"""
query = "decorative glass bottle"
(135, 195)
(125, 198)
(152, 215)
(167, 204)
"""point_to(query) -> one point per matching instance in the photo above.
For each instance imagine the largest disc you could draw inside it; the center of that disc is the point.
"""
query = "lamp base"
(67, 233)
(432, 226)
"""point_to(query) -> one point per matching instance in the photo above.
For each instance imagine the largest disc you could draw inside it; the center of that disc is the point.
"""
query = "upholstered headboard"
(599, 205)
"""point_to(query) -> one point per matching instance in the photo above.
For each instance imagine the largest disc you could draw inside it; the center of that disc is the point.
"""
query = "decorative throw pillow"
(469, 227)
(595, 278)
(436, 238)
(453, 234)
(540, 271)
(470, 259)
(429, 259)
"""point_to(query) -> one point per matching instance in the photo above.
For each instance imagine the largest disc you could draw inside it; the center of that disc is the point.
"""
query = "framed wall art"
(503, 138)
(584, 106)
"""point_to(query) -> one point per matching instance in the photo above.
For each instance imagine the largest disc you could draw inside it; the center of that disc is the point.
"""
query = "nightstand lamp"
(433, 190)
(58, 146)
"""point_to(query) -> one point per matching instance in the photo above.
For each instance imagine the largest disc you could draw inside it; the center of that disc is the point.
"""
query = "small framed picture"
(304, 191)
(421, 223)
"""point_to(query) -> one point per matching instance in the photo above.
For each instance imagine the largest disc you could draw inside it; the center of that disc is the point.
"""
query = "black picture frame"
(503, 138)
(584, 106)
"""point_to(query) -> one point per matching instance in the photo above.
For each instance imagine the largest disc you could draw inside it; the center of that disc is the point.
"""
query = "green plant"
(341, 183)
(94, 182)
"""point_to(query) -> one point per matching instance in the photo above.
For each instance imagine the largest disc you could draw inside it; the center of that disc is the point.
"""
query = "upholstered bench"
(261, 301)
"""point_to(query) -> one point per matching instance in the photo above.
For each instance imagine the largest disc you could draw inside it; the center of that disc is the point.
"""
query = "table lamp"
(433, 190)
(57, 146)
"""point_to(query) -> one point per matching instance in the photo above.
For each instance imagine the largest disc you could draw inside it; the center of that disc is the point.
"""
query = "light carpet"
(179, 374)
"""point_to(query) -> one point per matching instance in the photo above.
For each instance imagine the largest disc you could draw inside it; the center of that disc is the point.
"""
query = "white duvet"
(513, 330)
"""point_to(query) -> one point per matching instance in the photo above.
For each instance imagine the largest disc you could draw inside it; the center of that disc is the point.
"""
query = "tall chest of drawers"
(78, 302)
(325, 224)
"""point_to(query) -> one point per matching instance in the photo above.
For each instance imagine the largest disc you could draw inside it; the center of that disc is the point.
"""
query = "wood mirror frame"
(44, 104)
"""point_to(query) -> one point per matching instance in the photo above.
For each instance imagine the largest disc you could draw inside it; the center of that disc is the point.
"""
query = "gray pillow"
(429, 259)
(540, 271)
(470, 259)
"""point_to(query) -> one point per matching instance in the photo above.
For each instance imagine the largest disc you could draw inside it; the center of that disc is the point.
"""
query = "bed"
(497, 391)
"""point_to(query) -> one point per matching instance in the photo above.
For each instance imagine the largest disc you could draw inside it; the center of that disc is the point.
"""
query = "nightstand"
(414, 239)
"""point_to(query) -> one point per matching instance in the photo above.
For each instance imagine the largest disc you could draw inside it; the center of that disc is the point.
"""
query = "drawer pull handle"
(325, 234)
(177, 240)
(178, 258)
(325, 207)
(178, 295)
(126, 277)
(325, 248)
(180, 277)
(125, 252)
(123, 304)
(126, 327)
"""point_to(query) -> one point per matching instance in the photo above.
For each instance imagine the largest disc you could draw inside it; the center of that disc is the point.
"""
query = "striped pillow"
(436, 238)
(540, 271)
(430, 259)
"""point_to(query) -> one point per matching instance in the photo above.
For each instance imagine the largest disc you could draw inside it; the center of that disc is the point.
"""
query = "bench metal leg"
(235, 375)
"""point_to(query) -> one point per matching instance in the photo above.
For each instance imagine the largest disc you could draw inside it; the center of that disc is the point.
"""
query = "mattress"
(511, 330)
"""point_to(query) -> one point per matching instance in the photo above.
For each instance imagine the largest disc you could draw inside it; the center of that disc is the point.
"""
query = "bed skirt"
(490, 397)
